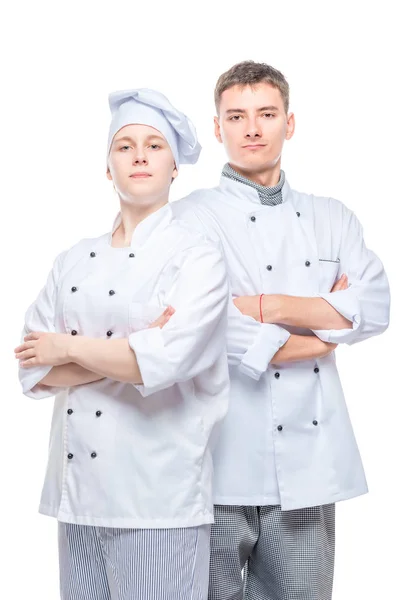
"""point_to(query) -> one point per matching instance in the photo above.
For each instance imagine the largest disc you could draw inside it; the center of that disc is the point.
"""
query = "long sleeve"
(195, 337)
(252, 345)
(366, 303)
(40, 316)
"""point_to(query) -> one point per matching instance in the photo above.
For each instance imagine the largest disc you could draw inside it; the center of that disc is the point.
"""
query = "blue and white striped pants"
(106, 563)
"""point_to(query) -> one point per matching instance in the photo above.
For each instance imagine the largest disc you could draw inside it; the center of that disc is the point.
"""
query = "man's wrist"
(273, 308)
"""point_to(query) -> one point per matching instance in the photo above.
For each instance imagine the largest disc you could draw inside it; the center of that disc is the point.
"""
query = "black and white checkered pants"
(104, 563)
(286, 555)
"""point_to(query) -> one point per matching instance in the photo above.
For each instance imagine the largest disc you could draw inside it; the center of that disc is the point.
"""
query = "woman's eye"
(124, 148)
(154, 146)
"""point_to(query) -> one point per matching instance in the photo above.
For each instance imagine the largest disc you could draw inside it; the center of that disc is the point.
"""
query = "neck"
(131, 216)
(267, 177)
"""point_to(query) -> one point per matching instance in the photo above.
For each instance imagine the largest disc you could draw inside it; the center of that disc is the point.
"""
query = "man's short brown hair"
(251, 73)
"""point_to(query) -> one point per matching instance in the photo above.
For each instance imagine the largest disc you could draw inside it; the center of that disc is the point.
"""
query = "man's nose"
(253, 130)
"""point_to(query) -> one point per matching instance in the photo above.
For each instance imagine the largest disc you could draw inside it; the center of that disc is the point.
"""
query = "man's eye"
(268, 115)
(235, 117)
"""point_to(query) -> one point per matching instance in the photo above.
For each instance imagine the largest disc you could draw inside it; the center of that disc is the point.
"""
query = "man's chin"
(256, 165)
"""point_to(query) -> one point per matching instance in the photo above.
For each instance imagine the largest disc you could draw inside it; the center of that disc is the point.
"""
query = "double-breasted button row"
(109, 332)
(70, 456)
(280, 427)
(98, 412)
(277, 374)
(93, 254)
(75, 289)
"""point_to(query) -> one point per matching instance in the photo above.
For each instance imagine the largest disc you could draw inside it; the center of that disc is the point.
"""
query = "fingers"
(164, 318)
(341, 284)
(30, 353)
(28, 363)
(34, 335)
(24, 346)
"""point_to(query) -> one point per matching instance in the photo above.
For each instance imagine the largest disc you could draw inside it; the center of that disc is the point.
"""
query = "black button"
(74, 289)
(307, 263)
(70, 411)
(98, 413)
(109, 333)
(252, 218)
(131, 255)
(74, 332)
(111, 292)
(298, 214)
(277, 375)
(269, 267)
(93, 455)
(93, 254)
(70, 456)
(315, 422)
(316, 370)
(279, 428)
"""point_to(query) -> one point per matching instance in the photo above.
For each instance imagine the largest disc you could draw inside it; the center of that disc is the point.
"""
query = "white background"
(59, 61)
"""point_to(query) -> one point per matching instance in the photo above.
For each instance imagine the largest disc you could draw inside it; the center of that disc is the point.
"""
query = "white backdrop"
(59, 61)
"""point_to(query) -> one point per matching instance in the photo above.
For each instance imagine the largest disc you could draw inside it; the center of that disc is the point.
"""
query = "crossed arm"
(81, 360)
(308, 313)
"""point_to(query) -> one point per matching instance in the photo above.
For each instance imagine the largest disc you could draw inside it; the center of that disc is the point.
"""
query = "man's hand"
(40, 348)
(163, 319)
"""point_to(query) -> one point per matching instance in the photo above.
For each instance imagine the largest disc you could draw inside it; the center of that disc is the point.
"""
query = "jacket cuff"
(349, 307)
(152, 359)
(267, 343)
(30, 381)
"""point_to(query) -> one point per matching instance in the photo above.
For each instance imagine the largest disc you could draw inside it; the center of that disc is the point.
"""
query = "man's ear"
(291, 124)
(217, 130)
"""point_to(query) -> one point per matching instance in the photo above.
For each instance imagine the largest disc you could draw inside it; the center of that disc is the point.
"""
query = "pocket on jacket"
(328, 274)
(142, 315)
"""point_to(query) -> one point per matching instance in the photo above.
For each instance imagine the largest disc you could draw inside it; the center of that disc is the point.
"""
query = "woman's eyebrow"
(125, 138)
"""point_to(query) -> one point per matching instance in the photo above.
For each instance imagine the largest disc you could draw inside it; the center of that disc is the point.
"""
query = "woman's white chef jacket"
(125, 455)
(287, 438)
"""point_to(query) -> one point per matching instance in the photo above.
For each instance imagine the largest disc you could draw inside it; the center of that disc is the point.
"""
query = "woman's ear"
(109, 174)
(174, 174)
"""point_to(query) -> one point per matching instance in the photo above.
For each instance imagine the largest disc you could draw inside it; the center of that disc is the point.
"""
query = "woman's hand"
(40, 348)
(163, 319)
(341, 284)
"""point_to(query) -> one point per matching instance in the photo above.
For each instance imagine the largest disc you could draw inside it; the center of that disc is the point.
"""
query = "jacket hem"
(319, 500)
(128, 523)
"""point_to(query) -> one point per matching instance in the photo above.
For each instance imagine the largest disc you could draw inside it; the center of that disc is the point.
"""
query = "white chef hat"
(149, 107)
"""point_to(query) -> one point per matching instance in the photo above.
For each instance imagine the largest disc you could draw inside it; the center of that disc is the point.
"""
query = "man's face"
(253, 126)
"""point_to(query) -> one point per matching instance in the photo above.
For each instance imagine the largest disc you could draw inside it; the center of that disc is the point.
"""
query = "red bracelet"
(261, 315)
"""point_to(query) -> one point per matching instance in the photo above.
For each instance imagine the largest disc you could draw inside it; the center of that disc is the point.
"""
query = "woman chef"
(129, 471)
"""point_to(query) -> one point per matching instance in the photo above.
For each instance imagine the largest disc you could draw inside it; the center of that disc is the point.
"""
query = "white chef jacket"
(287, 438)
(124, 455)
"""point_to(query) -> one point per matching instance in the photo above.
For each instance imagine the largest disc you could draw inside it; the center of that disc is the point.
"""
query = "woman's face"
(141, 165)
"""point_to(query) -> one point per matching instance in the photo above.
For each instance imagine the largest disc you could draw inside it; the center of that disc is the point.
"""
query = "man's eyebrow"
(264, 108)
(235, 110)
(242, 111)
